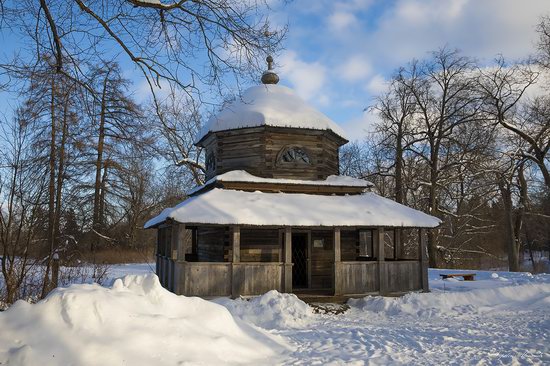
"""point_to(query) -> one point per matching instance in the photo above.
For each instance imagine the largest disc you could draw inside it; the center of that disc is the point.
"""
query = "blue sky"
(338, 53)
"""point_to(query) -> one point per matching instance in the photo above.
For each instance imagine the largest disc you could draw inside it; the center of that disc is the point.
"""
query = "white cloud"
(480, 28)
(356, 68)
(359, 127)
(388, 36)
(376, 85)
(341, 20)
(308, 79)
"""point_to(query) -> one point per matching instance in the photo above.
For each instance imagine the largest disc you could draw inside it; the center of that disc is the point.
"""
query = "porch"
(315, 262)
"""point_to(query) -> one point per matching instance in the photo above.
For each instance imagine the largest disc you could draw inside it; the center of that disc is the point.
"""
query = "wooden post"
(181, 241)
(337, 262)
(177, 251)
(423, 254)
(398, 243)
(287, 282)
(382, 280)
(236, 244)
(236, 275)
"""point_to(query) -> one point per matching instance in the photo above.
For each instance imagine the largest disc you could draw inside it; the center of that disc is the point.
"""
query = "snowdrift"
(272, 310)
(135, 322)
(511, 298)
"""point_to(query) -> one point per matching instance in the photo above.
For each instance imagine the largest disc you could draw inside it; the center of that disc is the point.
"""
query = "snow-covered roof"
(270, 105)
(231, 207)
(244, 176)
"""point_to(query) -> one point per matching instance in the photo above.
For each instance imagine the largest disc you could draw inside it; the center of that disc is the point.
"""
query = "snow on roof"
(269, 105)
(231, 207)
(244, 176)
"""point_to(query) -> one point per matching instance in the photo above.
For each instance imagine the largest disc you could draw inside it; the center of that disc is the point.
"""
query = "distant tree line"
(469, 144)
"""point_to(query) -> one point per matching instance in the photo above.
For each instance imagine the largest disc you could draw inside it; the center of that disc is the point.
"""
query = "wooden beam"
(236, 243)
(287, 285)
(423, 257)
(237, 276)
(179, 241)
(337, 262)
(380, 257)
(337, 245)
(398, 243)
(379, 242)
(288, 245)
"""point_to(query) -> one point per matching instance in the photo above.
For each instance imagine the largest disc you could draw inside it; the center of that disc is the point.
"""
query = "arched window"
(293, 154)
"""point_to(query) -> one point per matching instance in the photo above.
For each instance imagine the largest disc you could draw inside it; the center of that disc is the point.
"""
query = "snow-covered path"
(500, 319)
(466, 337)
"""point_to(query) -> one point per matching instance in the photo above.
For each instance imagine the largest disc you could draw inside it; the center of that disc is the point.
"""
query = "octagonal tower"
(272, 133)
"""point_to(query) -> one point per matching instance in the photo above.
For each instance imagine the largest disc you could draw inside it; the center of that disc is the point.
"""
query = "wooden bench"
(465, 276)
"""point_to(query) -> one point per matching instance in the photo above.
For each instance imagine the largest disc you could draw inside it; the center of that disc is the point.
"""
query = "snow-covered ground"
(501, 318)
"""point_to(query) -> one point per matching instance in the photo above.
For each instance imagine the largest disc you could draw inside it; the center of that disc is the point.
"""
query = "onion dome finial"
(269, 76)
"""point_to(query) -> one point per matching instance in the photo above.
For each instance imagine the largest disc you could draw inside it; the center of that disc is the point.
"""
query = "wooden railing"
(385, 277)
(211, 279)
(359, 277)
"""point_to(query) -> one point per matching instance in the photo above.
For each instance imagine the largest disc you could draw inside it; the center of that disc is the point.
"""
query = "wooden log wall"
(322, 150)
(349, 241)
(260, 245)
(256, 150)
(213, 244)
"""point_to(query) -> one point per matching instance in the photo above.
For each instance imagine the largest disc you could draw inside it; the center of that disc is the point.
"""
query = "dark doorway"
(299, 260)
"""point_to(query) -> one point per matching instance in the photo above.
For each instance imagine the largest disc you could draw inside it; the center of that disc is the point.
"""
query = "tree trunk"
(60, 173)
(511, 243)
(96, 219)
(399, 166)
(432, 236)
(51, 193)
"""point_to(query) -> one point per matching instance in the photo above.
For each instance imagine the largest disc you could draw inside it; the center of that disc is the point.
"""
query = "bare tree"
(117, 124)
(178, 120)
(396, 108)
(169, 41)
(22, 188)
(444, 92)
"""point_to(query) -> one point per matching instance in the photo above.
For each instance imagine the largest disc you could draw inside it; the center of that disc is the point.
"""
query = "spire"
(269, 76)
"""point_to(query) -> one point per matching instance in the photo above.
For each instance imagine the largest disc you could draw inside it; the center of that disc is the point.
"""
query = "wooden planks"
(322, 259)
(256, 150)
(227, 279)
(256, 278)
(290, 188)
(359, 277)
(205, 279)
(401, 276)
